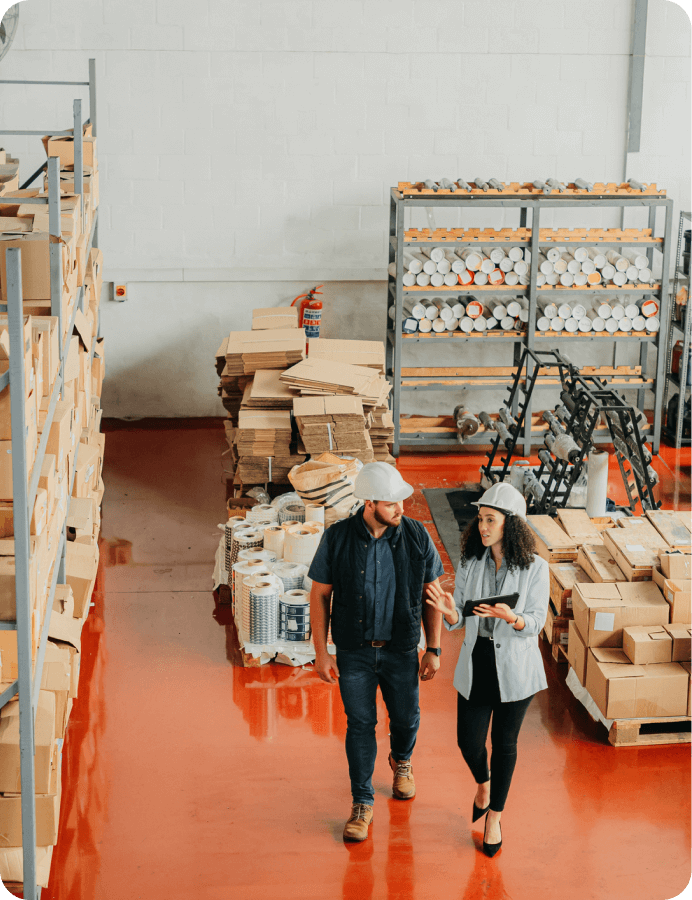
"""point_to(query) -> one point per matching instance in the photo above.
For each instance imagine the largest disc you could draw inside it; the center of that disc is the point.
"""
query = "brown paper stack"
(265, 390)
(355, 353)
(335, 424)
(263, 446)
(382, 433)
(319, 376)
(247, 351)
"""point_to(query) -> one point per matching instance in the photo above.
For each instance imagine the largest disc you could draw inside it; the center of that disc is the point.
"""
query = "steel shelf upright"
(680, 380)
(24, 484)
(401, 199)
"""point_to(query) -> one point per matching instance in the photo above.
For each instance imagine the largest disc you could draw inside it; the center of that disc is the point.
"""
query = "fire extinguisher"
(310, 314)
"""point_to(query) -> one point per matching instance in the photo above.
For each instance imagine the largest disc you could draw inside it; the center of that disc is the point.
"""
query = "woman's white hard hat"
(505, 498)
(380, 481)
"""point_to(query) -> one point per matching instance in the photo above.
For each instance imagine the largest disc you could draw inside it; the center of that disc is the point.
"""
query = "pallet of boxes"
(620, 610)
(68, 497)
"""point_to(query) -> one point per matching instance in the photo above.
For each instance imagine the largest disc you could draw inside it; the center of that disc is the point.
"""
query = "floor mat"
(451, 511)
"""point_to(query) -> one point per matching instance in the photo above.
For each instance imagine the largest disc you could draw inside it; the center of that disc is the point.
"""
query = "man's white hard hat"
(380, 481)
(504, 497)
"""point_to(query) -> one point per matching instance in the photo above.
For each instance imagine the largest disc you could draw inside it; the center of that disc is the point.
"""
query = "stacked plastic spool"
(292, 575)
(292, 512)
(294, 616)
(607, 316)
(229, 527)
(245, 539)
(450, 314)
(263, 513)
(589, 267)
(302, 541)
(260, 617)
(241, 570)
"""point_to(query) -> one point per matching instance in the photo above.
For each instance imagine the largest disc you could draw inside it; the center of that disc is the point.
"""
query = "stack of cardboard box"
(336, 424)
(629, 622)
(70, 485)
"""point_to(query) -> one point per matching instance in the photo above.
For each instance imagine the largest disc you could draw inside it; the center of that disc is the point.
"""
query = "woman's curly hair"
(518, 544)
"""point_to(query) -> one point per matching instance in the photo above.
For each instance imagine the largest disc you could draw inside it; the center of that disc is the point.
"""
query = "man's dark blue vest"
(348, 553)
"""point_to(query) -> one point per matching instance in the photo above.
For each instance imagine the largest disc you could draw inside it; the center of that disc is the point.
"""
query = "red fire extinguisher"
(310, 314)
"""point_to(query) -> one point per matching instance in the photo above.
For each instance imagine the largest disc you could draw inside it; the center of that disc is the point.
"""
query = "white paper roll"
(274, 540)
(261, 611)
(543, 323)
(290, 574)
(301, 543)
(597, 483)
(599, 324)
(257, 554)
(639, 323)
(314, 512)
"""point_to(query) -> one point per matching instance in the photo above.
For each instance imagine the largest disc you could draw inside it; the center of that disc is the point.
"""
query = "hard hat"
(380, 481)
(504, 497)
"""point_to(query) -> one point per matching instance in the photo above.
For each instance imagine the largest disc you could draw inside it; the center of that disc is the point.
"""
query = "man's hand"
(326, 667)
(429, 664)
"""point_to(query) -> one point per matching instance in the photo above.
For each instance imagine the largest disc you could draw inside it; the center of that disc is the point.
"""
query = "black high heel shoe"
(478, 812)
(491, 849)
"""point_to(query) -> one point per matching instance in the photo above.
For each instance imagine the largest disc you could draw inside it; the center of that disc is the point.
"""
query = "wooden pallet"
(557, 651)
(522, 235)
(628, 732)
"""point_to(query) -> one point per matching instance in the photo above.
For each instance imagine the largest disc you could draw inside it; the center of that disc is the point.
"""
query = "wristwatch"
(436, 650)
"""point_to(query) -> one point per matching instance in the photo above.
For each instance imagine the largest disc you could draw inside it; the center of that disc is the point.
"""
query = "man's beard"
(379, 518)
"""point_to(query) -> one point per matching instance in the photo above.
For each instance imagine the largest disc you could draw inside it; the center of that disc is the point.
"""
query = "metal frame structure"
(24, 487)
(679, 381)
(396, 341)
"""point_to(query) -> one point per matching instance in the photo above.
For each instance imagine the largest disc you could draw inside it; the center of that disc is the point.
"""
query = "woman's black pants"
(473, 721)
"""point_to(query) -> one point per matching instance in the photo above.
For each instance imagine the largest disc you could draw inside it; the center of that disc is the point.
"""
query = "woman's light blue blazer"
(520, 670)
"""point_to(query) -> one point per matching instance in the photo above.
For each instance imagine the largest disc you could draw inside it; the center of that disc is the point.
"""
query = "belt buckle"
(378, 643)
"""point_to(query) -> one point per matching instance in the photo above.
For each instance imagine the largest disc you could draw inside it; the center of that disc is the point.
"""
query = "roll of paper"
(274, 540)
(301, 542)
(261, 613)
(291, 575)
(257, 554)
(314, 512)
(294, 616)
(597, 483)
(294, 512)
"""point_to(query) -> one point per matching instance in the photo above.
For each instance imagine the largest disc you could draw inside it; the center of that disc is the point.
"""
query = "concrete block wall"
(247, 142)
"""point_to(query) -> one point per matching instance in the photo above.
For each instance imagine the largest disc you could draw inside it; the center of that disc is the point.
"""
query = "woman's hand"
(500, 611)
(443, 602)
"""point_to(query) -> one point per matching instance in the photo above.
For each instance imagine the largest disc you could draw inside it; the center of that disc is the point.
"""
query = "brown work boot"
(356, 829)
(404, 787)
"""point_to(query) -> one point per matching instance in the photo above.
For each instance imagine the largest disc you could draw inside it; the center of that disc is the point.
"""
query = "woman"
(500, 667)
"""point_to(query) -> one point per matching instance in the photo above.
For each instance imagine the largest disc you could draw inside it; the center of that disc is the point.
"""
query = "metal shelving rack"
(679, 381)
(396, 341)
(24, 488)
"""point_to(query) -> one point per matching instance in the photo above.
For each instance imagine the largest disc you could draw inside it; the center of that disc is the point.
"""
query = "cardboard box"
(86, 471)
(563, 577)
(635, 549)
(577, 524)
(622, 690)
(658, 578)
(59, 438)
(676, 564)
(64, 626)
(601, 611)
(47, 326)
(687, 667)
(576, 652)
(677, 593)
(681, 635)
(38, 520)
(644, 644)
(44, 739)
(81, 564)
(12, 865)
(552, 543)
(35, 249)
(47, 818)
(674, 532)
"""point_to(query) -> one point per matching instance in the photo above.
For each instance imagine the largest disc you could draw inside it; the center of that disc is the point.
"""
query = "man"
(378, 564)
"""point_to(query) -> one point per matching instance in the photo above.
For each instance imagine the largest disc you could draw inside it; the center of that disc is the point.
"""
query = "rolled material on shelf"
(625, 324)
(506, 264)
(474, 309)
(605, 311)
(480, 323)
(638, 259)
(487, 265)
(301, 543)
(580, 254)
(261, 611)
(632, 274)
(508, 323)
(443, 308)
(578, 311)
(274, 540)
(472, 258)
(431, 310)
(444, 266)
(653, 324)
(495, 254)
(553, 278)
(515, 253)
(263, 512)
(437, 280)
(552, 254)
(425, 326)
(294, 512)
(594, 278)
(499, 311)
(581, 279)
(599, 323)
(544, 264)
(451, 279)
(289, 524)
(608, 272)
(631, 310)
(597, 483)
(645, 276)
(611, 325)
(559, 265)
(491, 323)
(458, 309)
(294, 616)
(408, 279)
(540, 278)
(423, 279)
(588, 267)
(466, 324)
(616, 259)
(618, 311)
(409, 325)
(314, 512)
(638, 323)
(414, 262)
(417, 310)
(650, 308)
(429, 267)
(439, 325)
(496, 277)
(564, 311)
(258, 555)
(549, 309)
(585, 324)
(452, 324)
(466, 277)
(235, 522)
(245, 539)
(290, 574)
(573, 264)
(543, 323)
(557, 324)
(597, 256)
(436, 254)
(480, 278)
(572, 325)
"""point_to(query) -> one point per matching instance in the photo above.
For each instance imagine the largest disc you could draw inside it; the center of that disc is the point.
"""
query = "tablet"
(509, 599)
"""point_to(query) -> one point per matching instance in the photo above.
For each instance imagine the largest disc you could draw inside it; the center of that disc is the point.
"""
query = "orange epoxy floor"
(189, 777)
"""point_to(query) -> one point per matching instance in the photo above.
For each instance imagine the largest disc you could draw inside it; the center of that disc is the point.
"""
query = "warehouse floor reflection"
(188, 776)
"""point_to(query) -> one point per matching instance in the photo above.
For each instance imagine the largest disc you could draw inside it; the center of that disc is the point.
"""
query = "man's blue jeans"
(360, 673)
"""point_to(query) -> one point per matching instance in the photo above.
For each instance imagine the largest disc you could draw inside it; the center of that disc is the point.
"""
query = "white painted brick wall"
(258, 139)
